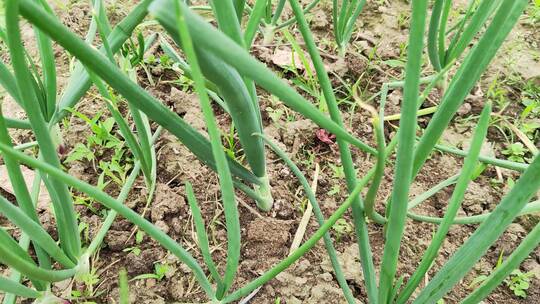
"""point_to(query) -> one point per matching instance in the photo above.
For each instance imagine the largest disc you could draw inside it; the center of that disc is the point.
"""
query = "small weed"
(230, 143)
(533, 14)
(342, 228)
(134, 52)
(135, 250)
(496, 93)
(139, 236)
(516, 152)
(403, 19)
(309, 158)
(519, 282)
(335, 190)
(98, 146)
(337, 171)
(530, 98)
(89, 279)
(160, 271)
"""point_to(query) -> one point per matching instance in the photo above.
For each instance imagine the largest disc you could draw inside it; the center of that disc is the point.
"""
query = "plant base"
(268, 34)
(265, 192)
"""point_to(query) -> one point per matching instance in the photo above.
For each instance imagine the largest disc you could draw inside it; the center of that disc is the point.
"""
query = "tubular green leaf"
(103, 30)
(239, 102)
(63, 207)
(530, 208)
(469, 167)
(371, 195)
(433, 47)
(24, 241)
(350, 26)
(529, 243)
(485, 159)
(468, 74)
(155, 110)
(486, 234)
(126, 212)
(239, 7)
(232, 220)
(49, 70)
(224, 12)
(7, 285)
(80, 82)
(340, 21)
(404, 161)
(318, 215)
(254, 21)
(442, 32)
(30, 269)
(277, 12)
(345, 154)
(22, 194)
(478, 19)
(8, 82)
(39, 235)
(424, 196)
(202, 236)
(7, 243)
(17, 123)
(101, 13)
(292, 20)
(207, 37)
(148, 153)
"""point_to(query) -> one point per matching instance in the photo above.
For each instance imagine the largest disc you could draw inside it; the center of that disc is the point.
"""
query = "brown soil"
(266, 238)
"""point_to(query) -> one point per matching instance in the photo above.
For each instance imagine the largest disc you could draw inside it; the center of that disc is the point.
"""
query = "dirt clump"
(298, 133)
(477, 199)
(350, 264)
(268, 236)
(166, 203)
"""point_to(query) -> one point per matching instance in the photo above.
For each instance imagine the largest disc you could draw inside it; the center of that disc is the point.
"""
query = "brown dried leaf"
(284, 58)
(28, 175)
(11, 109)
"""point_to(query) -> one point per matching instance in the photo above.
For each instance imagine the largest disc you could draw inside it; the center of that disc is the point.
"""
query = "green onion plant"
(266, 17)
(344, 16)
(218, 61)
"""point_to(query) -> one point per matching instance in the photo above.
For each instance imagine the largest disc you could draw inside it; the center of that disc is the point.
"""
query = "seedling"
(519, 282)
(342, 228)
(516, 152)
(160, 271)
(135, 250)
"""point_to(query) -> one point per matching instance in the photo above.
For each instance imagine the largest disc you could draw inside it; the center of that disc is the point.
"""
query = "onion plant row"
(218, 61)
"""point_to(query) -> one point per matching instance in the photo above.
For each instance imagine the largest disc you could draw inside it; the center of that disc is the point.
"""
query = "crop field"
(270, 151)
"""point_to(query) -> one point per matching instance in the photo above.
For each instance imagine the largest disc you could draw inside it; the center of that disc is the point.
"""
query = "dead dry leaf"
(284, 58)
(12, 109)
(319, 20)
(28, 175)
